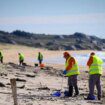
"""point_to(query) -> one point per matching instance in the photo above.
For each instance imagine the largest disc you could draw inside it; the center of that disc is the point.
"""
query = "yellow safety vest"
(21, 57)
(96, 66)
(74, 70)
(1, 55)
(40, 56)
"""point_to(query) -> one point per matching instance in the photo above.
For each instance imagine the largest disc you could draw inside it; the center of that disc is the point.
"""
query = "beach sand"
(36, 88)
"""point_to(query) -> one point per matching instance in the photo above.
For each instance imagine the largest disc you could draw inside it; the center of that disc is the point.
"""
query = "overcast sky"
(54, 16)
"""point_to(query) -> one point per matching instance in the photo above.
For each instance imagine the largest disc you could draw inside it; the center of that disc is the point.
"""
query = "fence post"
(14, 90)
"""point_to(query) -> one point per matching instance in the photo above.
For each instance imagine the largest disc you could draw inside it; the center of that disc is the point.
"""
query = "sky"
(62, 17)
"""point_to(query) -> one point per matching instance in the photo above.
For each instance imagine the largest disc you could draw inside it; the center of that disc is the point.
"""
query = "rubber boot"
(90, 97)
(70, 91)
(99, 97)
(76, 91)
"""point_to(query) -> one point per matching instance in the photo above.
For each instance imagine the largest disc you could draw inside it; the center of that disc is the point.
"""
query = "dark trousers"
(21, 62)
(94, 80)
(72, 82)
(40, 61)
(1, 59)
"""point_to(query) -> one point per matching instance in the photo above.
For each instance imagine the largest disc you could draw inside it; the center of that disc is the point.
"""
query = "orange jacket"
(90, 61)
(71, 63)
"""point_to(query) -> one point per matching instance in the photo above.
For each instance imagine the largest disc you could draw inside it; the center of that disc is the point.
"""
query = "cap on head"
(66, 54)
(92, 53)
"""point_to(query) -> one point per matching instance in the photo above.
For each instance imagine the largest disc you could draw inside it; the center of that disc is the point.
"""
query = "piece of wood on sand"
(14, 90)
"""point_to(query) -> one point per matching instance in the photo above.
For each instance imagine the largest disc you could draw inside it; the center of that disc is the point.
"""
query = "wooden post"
(14, 90)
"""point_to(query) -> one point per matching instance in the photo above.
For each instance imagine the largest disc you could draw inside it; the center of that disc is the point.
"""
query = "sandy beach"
(36, 88)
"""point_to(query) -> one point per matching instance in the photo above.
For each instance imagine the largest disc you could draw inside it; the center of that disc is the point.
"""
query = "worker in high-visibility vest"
(95, 71)
(40, 58)
(1, 57)
(21, 58)
(71, 71)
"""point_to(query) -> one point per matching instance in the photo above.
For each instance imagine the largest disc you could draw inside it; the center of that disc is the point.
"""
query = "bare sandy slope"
(37, 89)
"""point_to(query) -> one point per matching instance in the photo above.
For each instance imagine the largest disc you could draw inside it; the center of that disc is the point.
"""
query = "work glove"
(64, 72)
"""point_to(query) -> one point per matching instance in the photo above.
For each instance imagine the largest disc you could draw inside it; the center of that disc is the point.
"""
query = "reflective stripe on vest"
(96, 66)
(74, 70)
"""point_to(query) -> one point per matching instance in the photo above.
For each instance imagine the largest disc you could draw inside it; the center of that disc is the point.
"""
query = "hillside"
(76, 41)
